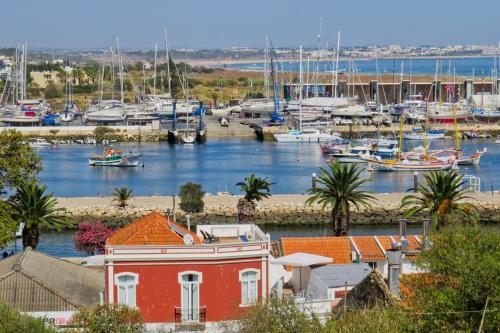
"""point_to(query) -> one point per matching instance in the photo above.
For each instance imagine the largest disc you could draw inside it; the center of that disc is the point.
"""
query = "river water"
(220, 163)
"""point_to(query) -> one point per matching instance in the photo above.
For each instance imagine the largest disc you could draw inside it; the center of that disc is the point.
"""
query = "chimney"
(394, 262)
(402, 228)
(426, 226)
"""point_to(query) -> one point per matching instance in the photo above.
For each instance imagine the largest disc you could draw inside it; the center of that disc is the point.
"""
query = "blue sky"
(226, 23)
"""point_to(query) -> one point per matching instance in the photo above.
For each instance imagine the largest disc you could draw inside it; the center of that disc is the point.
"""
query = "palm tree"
(444, 199)
(35, 209)
(122, 195)
(255, 189)
(340, 187)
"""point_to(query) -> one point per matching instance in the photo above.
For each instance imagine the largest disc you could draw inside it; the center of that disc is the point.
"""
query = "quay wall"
(285, 210)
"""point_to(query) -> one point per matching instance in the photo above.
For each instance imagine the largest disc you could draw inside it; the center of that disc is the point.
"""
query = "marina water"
(220, 163)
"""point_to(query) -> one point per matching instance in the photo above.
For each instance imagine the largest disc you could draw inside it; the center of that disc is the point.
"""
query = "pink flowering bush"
(90, 238)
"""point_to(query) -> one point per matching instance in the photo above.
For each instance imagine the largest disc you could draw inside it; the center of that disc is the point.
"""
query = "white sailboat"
(304, 135)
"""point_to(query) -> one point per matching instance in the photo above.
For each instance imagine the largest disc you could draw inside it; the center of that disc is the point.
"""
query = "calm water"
(62, 244)
(462, 66)
(221, 163)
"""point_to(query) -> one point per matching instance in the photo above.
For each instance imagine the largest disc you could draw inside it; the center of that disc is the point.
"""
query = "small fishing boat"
(347, 156)
(116, 158)
(39, 143)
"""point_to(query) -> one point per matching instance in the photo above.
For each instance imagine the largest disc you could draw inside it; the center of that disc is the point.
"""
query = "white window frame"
(127, 285)
(243, 280)
(193, 314)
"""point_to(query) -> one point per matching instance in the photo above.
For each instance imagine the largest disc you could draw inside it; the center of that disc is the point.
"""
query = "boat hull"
(410, 166)
(132, 160)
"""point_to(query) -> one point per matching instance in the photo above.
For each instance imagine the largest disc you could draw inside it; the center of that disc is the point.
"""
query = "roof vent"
(188, 239)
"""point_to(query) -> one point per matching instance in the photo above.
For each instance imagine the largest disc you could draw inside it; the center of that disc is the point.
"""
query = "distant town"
(240, 53)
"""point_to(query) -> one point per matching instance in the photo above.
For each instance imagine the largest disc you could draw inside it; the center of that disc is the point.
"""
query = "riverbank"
(278, 210)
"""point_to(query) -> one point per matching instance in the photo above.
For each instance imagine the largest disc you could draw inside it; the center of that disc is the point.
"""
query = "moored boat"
(116, 158)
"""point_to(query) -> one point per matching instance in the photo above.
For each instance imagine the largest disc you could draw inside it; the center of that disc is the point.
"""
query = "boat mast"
(337, 64)
(301, 87)
(167, 58)
(319, 57)
(455, 125)
(120, 68)
(154, 73)
(266, 69)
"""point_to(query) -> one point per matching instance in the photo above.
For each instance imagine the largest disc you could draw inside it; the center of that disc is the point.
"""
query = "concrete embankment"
(283, 210)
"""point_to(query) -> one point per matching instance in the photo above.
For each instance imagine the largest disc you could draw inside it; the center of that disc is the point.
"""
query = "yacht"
(307, 135)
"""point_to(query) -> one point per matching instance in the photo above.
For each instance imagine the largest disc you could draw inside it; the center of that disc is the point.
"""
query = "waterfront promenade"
(276, 210)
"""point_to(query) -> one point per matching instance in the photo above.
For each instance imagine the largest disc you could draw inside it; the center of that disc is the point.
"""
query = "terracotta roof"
(368, 248)
(151, 229)
(413, 242)
(337, 248)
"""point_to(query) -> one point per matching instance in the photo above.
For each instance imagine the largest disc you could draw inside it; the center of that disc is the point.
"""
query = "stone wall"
(274, 214)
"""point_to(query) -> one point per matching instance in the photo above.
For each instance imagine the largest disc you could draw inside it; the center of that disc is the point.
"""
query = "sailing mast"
(167, 58)
(266, 69)
(154, 73)
(337, 65)
(301, 87)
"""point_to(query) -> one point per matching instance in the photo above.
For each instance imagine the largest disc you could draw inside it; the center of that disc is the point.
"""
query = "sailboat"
(70, 108)
(402, 162)
(305, 135)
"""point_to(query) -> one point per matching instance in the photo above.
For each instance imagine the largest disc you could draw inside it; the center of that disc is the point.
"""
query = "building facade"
(179, 278)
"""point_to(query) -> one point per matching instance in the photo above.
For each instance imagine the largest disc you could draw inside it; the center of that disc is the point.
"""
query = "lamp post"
(314, 177)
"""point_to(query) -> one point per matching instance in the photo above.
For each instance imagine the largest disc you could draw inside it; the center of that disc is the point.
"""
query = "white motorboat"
(188, 137)
(306, 135)
(39, 143)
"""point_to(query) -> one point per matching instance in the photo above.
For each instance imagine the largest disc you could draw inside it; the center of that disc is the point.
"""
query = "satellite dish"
(188, 239)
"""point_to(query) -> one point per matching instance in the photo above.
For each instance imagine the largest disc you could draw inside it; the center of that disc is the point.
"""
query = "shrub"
(52, 91)
(12, 321)
(102, 133)
(191, 195)
(90, 238)
(109, 318)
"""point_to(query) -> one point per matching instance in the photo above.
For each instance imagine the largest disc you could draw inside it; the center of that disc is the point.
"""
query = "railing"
(191, 315)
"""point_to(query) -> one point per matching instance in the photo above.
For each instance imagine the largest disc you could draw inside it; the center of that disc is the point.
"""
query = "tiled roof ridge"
(41, 284)
(147, 225)
(153, 215)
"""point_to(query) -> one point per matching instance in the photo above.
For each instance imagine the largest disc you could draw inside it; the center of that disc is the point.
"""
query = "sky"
(198, 24)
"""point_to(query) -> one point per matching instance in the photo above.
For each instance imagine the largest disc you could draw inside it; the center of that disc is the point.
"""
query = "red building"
(178, 278)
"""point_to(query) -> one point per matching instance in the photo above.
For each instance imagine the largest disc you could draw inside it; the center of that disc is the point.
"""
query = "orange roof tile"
(151, 229)
(368, 248)
(337, 248)
(413, 242)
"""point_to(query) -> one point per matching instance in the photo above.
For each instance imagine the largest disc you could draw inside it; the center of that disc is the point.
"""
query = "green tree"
(255, 189)
(18, 162)
(278, 315)
(36, 209)
(339, 189)
(463, 273)
(387, 320)
(192, 198)
(443, 198)
(8, 226)
(102, 133)
(109, 318)
(11, 321)
(52, 91)
(122, 195)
